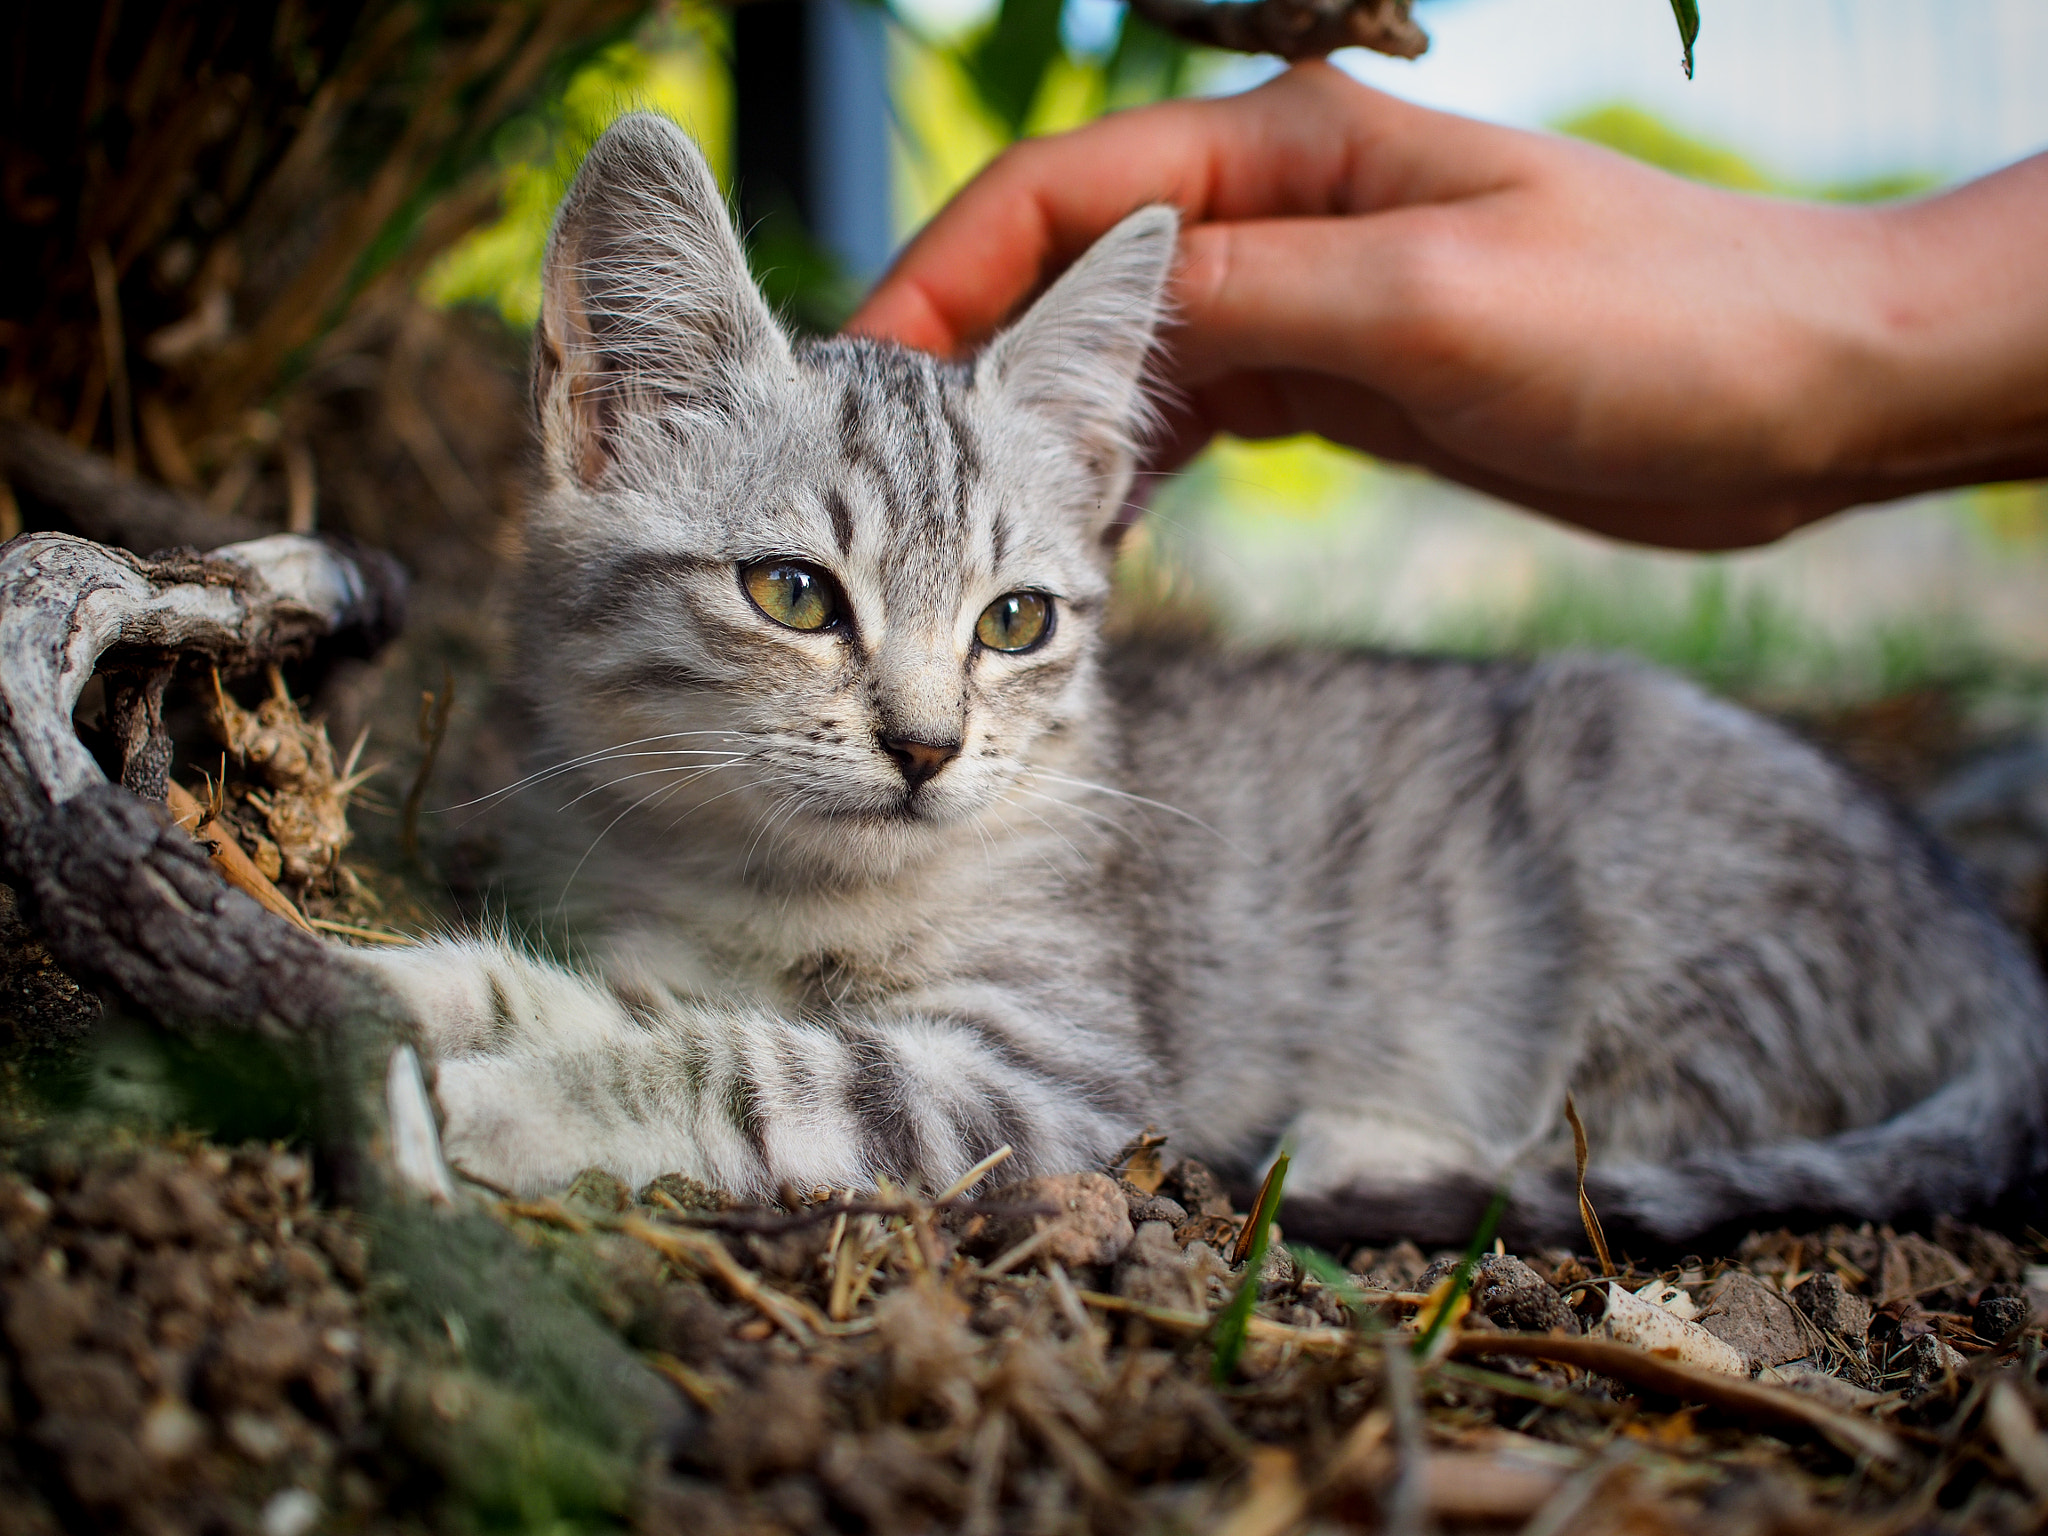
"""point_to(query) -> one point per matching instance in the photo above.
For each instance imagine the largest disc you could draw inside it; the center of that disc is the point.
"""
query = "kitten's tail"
(1979, 1140)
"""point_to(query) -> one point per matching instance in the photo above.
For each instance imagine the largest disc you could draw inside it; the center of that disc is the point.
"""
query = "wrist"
(1944, 380)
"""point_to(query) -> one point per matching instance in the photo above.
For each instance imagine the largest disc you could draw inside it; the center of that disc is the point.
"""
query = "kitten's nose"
(919, 760)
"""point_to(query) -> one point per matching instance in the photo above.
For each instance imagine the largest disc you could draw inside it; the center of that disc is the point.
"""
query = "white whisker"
(571, 764)
(627, 778)
(1157, 805)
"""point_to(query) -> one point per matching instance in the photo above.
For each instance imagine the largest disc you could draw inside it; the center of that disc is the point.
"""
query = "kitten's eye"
(1016, 621)
(800, 596)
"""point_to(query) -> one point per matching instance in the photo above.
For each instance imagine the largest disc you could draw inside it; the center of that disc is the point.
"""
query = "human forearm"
(1957, 387)
(1539, 319)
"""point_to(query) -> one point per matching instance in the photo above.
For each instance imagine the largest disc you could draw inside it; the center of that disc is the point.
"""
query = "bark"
(1294, 29)
(120, 893)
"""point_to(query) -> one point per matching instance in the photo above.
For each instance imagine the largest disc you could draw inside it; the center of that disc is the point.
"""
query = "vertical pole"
(811, 127)
(851, 208)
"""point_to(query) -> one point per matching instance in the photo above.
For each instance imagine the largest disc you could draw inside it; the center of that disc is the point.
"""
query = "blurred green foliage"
(674, 64)
(1646, 137)
(958, 100)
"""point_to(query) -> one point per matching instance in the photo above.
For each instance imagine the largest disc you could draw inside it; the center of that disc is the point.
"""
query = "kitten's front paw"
(503, 1128)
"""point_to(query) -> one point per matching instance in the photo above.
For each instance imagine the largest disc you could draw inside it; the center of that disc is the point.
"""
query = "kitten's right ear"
(648, 313)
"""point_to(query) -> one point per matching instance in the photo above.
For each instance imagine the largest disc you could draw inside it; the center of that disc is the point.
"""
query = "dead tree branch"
(120, 893)
(1294, 29)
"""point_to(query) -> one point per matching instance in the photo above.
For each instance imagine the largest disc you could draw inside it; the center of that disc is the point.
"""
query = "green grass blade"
(1461, 1277)
(1688, 14)
(1235, 1319)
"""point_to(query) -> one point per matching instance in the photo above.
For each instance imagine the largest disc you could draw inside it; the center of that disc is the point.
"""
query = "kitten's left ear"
(1078, 355)
(648, 314)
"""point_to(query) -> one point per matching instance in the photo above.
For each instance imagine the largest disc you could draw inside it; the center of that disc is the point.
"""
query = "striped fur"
(1386, 908)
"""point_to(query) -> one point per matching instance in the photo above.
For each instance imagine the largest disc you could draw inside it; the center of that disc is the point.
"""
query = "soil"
(192, 1343)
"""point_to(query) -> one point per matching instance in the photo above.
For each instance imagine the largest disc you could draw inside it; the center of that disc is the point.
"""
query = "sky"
(1817, 91)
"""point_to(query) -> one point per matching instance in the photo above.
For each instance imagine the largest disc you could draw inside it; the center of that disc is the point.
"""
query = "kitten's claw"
(415, 1141)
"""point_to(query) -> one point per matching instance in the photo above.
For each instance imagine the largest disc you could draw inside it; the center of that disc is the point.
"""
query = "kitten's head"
(841, 599)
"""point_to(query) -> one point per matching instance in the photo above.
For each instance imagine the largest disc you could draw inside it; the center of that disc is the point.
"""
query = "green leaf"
(1235, 1319)
(1688, 14)
(1009, 64)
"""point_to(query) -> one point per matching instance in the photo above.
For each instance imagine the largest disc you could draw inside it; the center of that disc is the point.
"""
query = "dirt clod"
(1092, 1227)
(1757, 1320)
(1832, 1307)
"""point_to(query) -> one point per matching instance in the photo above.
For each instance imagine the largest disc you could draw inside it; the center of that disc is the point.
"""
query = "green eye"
(800, 596)
(1016, 621)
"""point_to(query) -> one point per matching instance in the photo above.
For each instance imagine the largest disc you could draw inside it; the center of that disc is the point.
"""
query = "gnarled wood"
(121, 893)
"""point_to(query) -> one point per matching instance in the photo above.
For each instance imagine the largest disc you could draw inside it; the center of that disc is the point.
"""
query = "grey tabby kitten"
(885, 858)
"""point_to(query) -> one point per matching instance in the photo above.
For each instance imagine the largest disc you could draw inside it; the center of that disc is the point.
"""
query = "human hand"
(1534, 317)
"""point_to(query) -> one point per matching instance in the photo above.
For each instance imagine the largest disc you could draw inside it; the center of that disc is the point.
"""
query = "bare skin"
(1537, 318)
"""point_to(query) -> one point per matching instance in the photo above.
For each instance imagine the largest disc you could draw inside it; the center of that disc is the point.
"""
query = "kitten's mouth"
(913, 807)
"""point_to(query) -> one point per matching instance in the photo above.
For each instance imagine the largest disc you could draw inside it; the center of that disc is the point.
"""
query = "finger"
(1310, 142)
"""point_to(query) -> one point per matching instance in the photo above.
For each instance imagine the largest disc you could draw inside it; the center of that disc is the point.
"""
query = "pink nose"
(919, 760)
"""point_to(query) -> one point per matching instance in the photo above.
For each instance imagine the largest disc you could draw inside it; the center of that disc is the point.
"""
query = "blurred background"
(1849, 99)
(284, 262)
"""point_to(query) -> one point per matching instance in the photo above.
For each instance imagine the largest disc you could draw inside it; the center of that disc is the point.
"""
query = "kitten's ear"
(648, 314)
(1078, 355)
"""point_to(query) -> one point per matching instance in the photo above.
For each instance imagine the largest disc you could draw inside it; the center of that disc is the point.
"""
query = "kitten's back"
(1443, 893)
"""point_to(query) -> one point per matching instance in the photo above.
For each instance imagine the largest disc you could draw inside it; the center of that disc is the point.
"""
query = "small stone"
(1508, 1293)
(2002, 1311)
(1931, 1365)
(259, 1438)
(171, 1431)
(599, 1190)
(23, 1207)
(1157, 1272)
(258, 1355)
(1396, 1269)
(1515, 1297)
(46, 1313)
(1093, 1225)
(84, 1384)
(102, 1465)
(291, 1512)
(1152, 1207)
(159, 1199)
(686, 1194)
(1197, 1188)
(1832, 1306)
(1810, 1378)
(1757, 1321)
